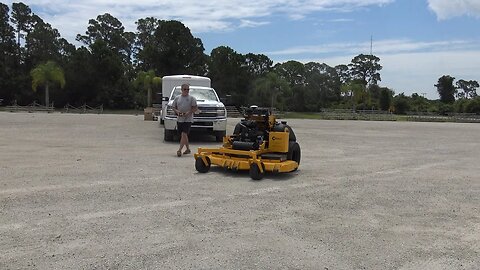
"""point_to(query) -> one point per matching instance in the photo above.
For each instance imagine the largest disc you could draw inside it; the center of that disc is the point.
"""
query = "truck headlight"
(221, 111)
(170, 112)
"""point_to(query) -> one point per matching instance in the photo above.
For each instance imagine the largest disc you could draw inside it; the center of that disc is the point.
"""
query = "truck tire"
(219, 135)
(168, 135)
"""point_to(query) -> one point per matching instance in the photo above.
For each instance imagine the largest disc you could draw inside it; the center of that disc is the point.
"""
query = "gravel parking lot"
(105, 192)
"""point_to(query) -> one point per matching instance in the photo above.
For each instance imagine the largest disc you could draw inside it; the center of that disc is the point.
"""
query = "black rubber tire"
(238, 129)
(294, 152)
(255, 173)
(168, 135)
(200, 165)
(291, 134)
(280, 127)
(219, 135)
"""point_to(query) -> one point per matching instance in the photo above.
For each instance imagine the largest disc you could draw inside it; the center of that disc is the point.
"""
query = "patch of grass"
(302, 115)
(130, 112)
(403, 118)
(343, 116)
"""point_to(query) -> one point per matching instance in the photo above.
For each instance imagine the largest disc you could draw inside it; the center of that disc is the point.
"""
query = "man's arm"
(194, 109)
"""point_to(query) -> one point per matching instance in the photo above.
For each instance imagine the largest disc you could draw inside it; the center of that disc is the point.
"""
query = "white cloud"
(445, 9)
(382, 46)
(409, 66)
(249, 23)
(418, 72)
(71, 17)
(342, 20)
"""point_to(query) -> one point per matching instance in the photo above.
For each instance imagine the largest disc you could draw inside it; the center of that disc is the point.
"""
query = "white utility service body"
(211, 116)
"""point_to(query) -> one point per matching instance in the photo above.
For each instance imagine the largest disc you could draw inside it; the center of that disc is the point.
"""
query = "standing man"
(184, 106)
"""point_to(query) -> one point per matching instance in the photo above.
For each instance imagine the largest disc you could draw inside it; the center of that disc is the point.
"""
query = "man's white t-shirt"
(184, 104)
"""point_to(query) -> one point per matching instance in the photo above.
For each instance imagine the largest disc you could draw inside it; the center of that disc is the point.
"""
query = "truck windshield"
(198, 93)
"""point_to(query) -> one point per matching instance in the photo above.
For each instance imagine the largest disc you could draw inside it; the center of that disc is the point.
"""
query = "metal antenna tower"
(371, 45)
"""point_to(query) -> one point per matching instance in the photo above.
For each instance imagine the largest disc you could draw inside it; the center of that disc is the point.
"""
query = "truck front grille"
(202, 124)
(210, 112)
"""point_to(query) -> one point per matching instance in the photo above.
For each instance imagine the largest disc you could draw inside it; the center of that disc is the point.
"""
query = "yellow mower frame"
(275, 149)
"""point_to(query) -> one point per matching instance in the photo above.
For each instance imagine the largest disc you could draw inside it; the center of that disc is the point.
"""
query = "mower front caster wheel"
(255, 173)
(200, 165)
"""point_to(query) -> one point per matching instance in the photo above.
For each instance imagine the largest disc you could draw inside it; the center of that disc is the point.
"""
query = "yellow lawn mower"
(259, 144)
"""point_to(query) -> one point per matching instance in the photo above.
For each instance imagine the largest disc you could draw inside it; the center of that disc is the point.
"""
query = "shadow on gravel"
(202, 137)
(196, 137)
(244, 174)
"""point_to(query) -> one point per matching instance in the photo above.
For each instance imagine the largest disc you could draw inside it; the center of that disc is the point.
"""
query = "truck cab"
(211, 116)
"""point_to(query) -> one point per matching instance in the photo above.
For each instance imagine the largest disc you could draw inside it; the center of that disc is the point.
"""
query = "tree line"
(121, 70)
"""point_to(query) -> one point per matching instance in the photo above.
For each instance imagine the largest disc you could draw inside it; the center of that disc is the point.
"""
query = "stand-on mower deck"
(259, 143)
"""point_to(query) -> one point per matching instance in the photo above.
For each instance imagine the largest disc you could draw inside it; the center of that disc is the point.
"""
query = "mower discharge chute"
(259, 144)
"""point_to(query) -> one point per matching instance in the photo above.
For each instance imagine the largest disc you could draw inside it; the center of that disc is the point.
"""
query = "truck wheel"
(200, 165)
(294, 152)
(168, 135)
(255, 173)
(219, 135)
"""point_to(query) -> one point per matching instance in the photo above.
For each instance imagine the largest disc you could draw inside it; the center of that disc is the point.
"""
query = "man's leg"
(184, 137)
(183, 140)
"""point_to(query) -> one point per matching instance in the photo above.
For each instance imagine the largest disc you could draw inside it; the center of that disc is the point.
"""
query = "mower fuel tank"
(278, 141)
(239, 145)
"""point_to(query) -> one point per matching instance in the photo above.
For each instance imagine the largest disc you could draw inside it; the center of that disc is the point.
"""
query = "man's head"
(185, 89)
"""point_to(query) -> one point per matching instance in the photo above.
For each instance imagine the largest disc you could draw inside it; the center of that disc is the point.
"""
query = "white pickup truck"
(211, 116)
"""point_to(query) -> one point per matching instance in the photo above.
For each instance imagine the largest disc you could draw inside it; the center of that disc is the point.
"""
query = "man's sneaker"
(179, 153)
(187, 152)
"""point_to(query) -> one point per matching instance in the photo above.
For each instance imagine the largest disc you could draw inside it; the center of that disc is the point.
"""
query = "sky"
(417, 41)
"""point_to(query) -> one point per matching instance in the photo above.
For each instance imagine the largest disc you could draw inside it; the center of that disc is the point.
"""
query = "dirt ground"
(105, 192)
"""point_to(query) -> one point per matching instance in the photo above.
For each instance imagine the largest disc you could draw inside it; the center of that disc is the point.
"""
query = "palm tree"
(46, 75)
(147, 80)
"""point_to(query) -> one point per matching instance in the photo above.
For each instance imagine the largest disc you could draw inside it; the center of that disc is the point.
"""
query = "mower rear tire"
(281, 127)
(255, 173)
(294, 152)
